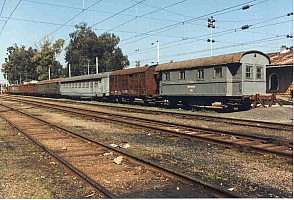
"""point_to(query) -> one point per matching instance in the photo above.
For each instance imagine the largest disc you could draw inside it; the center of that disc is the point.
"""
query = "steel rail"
(103, 191)
(227, 120)
(261, 146)
(164, 170)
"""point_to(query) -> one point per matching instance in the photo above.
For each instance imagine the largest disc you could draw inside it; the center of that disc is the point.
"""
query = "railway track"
(225, 120)
(253, 142)
(97, 164)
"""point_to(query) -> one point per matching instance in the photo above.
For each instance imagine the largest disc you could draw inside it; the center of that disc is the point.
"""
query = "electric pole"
(211, 25)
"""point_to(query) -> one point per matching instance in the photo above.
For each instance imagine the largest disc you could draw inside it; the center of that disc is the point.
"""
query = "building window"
(182, 75)
(259, 72)
(200, 74)
(248, 72)
(166, 76)
(218, 72)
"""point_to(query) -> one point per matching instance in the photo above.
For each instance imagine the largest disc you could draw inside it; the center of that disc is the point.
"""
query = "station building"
(279, 74)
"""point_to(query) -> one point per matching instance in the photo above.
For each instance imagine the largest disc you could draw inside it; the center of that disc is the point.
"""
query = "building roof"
(207, 61)
(278, 58)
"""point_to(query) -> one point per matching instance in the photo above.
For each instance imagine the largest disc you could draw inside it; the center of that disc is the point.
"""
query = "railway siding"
(253, 175)
(282, 148)
(124, 179)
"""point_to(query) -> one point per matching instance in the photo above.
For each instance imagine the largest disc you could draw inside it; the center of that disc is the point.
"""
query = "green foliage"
(85, 46)
(19, 64)
(46, 57)
(24, 64)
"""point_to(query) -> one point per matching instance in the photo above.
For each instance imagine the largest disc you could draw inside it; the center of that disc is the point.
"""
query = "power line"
(220, 48)
(113, 15)
(73, 17)
(117, 13)
(73, 26)
(9, 16)
(190, 20)
(136, 17)
(2, 8)
(228, 31)
(106, 12)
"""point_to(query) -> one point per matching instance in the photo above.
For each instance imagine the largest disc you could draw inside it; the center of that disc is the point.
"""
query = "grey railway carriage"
(93, 86)
(230, 79)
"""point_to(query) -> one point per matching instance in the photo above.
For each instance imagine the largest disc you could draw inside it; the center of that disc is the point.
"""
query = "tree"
(24, 64)
(19, 64)
(45, 58)
(85, 46)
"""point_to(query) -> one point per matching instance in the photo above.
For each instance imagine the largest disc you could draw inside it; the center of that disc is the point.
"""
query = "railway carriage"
(128, 84)
(28, 89)
(230, 79)
(50, 88)
(93, 86)
(13, 89)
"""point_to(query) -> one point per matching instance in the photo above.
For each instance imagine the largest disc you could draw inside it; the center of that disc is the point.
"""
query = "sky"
(178, 28)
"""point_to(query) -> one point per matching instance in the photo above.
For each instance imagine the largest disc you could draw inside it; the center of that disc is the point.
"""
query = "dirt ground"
(252, 175)
(27, 172)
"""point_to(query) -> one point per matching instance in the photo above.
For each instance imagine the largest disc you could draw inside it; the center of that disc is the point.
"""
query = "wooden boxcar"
(50, 88)
(28, 89)
(129, 84)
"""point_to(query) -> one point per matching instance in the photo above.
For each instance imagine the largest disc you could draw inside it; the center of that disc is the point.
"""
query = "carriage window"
(182, 75)
(200, 74)
(218, 72)
(96, 83)
(166, 76)
(259, 72)
(248, 72)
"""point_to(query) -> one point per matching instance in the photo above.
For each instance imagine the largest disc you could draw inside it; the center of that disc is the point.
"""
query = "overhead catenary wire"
(83, 10)
(136, 17)
(168, 27)
(10, 16)
(99, 11)
(228, 31)
(219, 48)
(117, 13)
(2, 8)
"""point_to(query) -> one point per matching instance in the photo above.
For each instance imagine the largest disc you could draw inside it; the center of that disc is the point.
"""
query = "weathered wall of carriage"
(254, 85)
(95, 85)
(192, 86)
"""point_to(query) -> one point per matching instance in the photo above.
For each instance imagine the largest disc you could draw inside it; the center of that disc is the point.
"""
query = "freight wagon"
(28, 89)
(128, 84)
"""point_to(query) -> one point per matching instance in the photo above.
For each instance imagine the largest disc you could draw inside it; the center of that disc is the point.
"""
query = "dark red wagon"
(129, 84)
(28, 89)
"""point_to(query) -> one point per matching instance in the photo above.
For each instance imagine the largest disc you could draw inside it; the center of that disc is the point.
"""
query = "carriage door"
(274, 82)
